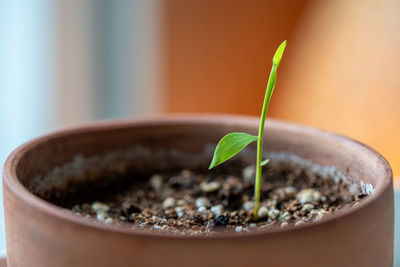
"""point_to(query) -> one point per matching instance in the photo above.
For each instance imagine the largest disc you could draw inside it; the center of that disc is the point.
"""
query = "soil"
(202, 202)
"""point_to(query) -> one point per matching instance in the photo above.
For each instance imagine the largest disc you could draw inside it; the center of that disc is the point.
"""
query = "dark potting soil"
(193, 202)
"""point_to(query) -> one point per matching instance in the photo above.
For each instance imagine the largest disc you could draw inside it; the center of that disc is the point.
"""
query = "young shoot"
(233, 143)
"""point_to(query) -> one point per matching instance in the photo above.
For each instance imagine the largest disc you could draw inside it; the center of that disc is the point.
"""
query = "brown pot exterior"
(40, 234)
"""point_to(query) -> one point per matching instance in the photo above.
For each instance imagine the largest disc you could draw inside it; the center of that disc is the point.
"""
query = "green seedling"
(233, 143)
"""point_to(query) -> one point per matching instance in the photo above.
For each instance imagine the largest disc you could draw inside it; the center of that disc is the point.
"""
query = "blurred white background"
(64, 63)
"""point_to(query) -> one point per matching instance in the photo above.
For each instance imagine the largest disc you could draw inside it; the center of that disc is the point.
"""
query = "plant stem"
(267, 98)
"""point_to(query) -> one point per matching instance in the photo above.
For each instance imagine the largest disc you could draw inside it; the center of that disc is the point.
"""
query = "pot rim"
(11, 181)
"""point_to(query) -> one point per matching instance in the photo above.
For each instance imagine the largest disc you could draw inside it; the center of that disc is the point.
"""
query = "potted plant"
(139, 193)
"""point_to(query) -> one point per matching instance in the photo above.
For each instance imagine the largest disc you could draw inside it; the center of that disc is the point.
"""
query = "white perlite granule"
(366, 189)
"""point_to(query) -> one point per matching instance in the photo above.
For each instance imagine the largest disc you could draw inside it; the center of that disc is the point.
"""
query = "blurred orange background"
(339, 72)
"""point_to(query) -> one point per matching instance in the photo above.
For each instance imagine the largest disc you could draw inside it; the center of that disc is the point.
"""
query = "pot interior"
(100, 157)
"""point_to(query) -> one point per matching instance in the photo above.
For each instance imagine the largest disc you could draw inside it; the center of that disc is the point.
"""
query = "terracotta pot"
(41, 234)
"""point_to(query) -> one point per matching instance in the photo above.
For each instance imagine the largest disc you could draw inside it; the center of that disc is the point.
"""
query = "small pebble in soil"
(290, 191)
(238, 229)
(217, 209)
(186, 174)
(262, 212)
(156, 182)
(248, 205)
(169, 202)
(109, 221)
(308, 207)
(76, 208)
(308, 195)
(284, 216)
(248, 173)
(321, 213)
(202, 209)
(284, 224)
(181, 202)
(273, 214)
(221, 220)
(299, 223)
(202, 202)
(179, 211)
(100, 207)
(270, 203)
(313, 212)
(101, 216)
(209, 187)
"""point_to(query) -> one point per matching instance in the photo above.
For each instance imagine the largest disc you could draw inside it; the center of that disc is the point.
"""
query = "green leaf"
(278, 54)
(229, 146)
(264, 162)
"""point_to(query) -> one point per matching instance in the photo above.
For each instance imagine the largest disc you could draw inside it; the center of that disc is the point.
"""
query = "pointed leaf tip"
(279, 52)
(229, 146)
